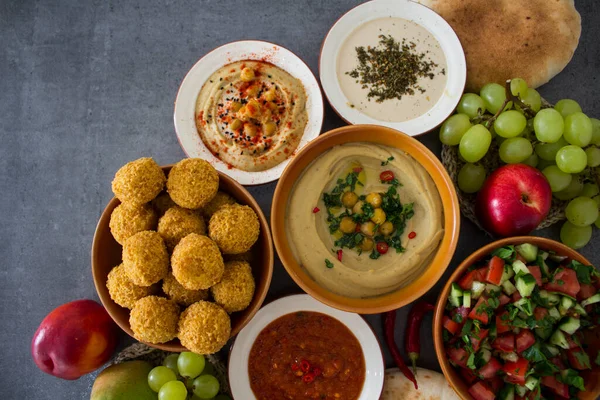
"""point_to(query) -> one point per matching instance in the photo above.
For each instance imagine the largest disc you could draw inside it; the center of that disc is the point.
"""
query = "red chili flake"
(295, 367)
(412, 235)
(304, 366)
(316, 210)
(317, 371)
(308, 378)
(339, 255)
(357, 169)
(386, 176)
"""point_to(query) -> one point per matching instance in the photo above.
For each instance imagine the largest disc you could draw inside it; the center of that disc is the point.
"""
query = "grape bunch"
(562, 142)
(185, 376)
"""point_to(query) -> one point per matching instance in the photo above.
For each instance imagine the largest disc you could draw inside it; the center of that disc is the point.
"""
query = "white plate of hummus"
(247, 107)
(394, 63)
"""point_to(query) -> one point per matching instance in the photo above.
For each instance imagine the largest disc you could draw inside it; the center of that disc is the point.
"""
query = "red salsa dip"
(306, 355)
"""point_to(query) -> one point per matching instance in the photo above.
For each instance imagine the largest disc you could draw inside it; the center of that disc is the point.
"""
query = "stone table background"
(88, 85)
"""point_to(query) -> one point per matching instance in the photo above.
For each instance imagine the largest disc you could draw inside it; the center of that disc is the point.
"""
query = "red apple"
(513, 201)
(74, 339)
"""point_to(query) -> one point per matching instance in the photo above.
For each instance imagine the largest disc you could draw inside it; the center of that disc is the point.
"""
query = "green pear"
(125, 381)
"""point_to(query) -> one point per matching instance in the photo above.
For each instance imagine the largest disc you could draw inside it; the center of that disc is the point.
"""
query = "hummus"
(353, 272)
(251, 114)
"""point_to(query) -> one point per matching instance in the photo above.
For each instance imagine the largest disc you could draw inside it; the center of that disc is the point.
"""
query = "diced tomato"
(540, 313)
(479, 311)
(496, 383)
(557, 387)
(475, 275)
(524, 340)
(490, 369)
(534, 395)
(516, 296)
(576, 358)
(537, 274)
(481, 391)
(572, 343)
(565, 281)
(516, 371)
(458, 356)
(502, 323)
(450, 325)
(495, 270)
(468, 375)
(503, 299)
(558, 362)
(586, 291)
(504, 342)
(476, 341)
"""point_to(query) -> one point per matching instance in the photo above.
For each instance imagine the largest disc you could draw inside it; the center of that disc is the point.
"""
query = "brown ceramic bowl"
(592, 337)
(383, 136)
(106, 253)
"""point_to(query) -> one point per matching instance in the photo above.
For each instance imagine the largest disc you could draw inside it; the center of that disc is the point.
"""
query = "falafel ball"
(124, 292)
(192, 183)
(179, 222)
(138, 181)
(247, 256)
(197, 262)
(154, 319)
(236, 289)
(145, 258)
(204, 327)
(128, 219)
(221, 199)
(176, 292)
(234, 228)
(162, 203)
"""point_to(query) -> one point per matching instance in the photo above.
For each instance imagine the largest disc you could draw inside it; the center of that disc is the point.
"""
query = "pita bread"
(432, 386)
(504, 39)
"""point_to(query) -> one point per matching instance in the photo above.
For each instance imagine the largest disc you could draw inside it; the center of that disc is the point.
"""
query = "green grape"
(518, 87)
(209, 369)
(510, 124)
(578, 129)
(571, 159)
(532, 99)
(548, 125)
(582, 211)
(174, 390)
(593, 156)
(597, 223)
(475, 143)
(590, 190)
(547, 151)
(493, 96)
(567, 107)
(557, 179)
(575, 237)
(471, 178)
(190, 364)
(454, 128)
(544, 163)
(206, 386)
(158, 376)
(515, 150)
(573, 190)
(595, 131)
(171, 362)
(597, 200)
(532, 160)
(471, 104)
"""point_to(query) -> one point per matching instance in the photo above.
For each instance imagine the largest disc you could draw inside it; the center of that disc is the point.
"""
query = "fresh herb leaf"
(386, 162)
(584, 272)
(457, 318)
(467, 327)
(534, 353)
(572, 378)
(374, 254)
(582, 358)
(597, 360)
(545, 368)
(506, 253)
(471, 361)
(328, 263)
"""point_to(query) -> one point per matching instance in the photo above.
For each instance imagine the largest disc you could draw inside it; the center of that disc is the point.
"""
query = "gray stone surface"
(87, 85)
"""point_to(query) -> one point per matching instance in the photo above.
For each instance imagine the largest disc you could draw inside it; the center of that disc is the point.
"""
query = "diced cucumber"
(565, 304)
(467, 299)
(525, 306)
(511, 357)
(456, 295)
(550, 350)
(569, 325)
(477, 289)
(519, 267)
(545, 269)
(579, 310)
(558, 338)
(507, 274)
(543, 254)
(508, 288)
(591, 300)
(507, 392)
(531, 382)
(525, 284)
(557, 258)
(544, 332)
(493, 332)
(486, 355)
(520, 390)
(489, 288)
(486, 345)
(554, 313)
(527, 251)
(548, 299)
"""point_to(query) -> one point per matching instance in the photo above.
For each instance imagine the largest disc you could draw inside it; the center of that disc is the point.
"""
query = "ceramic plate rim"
(427, 18)
(238, 355)
(183, 115)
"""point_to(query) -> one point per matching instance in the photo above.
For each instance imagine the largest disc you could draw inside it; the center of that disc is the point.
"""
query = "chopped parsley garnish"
(328, 263)
(506, 253)
(386, 162)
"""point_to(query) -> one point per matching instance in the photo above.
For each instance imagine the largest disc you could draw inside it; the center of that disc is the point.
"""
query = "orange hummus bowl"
(591, 338)
(369, 134)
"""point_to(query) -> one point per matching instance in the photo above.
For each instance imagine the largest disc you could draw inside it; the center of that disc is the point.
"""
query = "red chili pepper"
(339, 255)
(308, 378)
(382, 247)
(389, 324)
(295, 367)
(357, 169)
(317, 371)
(386, 176)
(304, 366)
(412, 235)
(411, 343)
(316, 210)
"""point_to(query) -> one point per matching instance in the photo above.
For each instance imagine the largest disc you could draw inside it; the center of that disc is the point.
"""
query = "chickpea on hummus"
(251, 114)
(364, 219)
